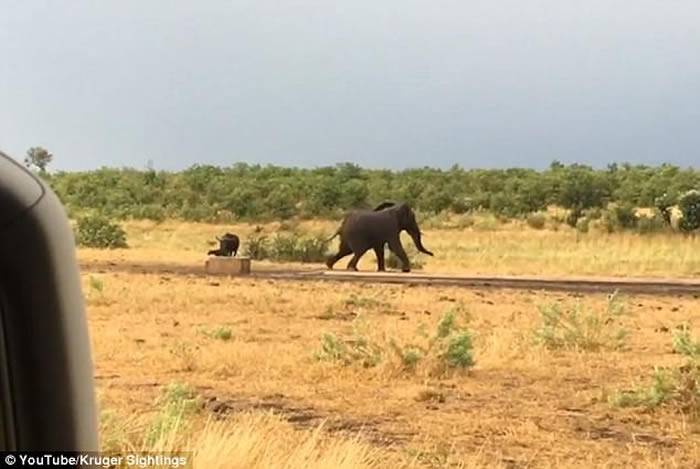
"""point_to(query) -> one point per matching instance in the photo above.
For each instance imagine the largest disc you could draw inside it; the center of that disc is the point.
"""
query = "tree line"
(254, 192)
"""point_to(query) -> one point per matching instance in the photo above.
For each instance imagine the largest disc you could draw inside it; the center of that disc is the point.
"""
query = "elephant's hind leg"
(343, 251)
(352, 265)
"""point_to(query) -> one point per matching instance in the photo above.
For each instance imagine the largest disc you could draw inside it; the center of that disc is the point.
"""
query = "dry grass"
(520, 406)
(483, 247)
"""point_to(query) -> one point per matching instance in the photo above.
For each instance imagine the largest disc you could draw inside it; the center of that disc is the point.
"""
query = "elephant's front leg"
(397, 248)
(379, 252)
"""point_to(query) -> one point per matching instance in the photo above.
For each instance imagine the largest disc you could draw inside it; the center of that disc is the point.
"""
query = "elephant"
(228, 245)
(362, 230)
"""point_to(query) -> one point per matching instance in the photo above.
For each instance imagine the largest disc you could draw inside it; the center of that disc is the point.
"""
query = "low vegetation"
(574, 326)
(97, 231)
(419, 377)
(448, 348)
(678, 387)
(253, 192)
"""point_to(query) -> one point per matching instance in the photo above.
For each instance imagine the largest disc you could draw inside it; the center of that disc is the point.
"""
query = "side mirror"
(47, 399)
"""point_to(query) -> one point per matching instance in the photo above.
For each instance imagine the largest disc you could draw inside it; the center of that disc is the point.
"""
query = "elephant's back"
(367, 221)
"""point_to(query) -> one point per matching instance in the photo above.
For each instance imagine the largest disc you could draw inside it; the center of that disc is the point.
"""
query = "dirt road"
(656, 286)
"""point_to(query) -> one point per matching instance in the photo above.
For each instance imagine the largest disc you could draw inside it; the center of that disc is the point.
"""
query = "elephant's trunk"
(416, 237)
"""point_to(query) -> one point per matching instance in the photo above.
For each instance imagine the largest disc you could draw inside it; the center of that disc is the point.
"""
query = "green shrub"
(463, 205)
(578, 328)
(312, 248)
(684, 344)
(450, 347)
(537, 220)
(257, 246)
(177, 403)
(572, 218)
(296, 247)
(283, 247)
(594, 213)
(220, 333)
(625, 216)
(360, 349)
(689, 205)
(607, 222)
(652, 224)
(96, 231)
(660, 391)
(583, 225)
(679, 387)
(458, 352)
(257, 192)
(663, 204)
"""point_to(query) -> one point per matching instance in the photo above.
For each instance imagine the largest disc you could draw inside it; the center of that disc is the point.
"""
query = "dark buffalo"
(228, 246)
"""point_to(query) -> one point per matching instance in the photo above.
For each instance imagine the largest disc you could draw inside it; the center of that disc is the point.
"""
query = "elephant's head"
(407, 221)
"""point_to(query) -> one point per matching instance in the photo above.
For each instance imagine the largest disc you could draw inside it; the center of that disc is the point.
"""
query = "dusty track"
(655, 286)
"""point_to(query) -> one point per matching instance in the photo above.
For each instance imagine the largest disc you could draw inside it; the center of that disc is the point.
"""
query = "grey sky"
(380, 83)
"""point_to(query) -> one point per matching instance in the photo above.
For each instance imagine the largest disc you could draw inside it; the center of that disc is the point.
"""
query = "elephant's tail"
(331, 238)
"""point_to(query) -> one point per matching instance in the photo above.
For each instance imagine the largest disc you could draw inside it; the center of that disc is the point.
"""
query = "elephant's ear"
(383, 205)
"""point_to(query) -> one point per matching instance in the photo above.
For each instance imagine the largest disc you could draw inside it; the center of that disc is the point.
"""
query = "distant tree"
(663, 205)
(581, 188)
(38, 158)
(435, 199)
(689, 205)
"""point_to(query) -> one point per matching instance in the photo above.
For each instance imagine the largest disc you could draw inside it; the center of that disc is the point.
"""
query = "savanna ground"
(262, 374)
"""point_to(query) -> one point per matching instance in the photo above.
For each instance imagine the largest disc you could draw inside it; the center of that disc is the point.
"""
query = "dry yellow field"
(246, 349)
(486, 247)
(228, 368)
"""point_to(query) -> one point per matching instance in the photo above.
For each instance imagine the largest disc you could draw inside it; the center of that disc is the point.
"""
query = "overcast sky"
(390, 83)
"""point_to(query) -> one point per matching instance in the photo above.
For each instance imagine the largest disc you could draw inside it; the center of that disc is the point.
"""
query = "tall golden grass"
(483, 246)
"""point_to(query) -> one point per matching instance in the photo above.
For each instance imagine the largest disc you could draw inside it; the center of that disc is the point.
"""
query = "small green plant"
(684, 344)
(177, 403)
(96, 231)
(660, 391)
(458, 351)
(95, 291)
(409, 355)
(360, 349)
(536, 221)
(367, 302)
(332, 349)
(220, 333)
(575, 327)
(679, 387)
(96, 286)
(449, 348)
